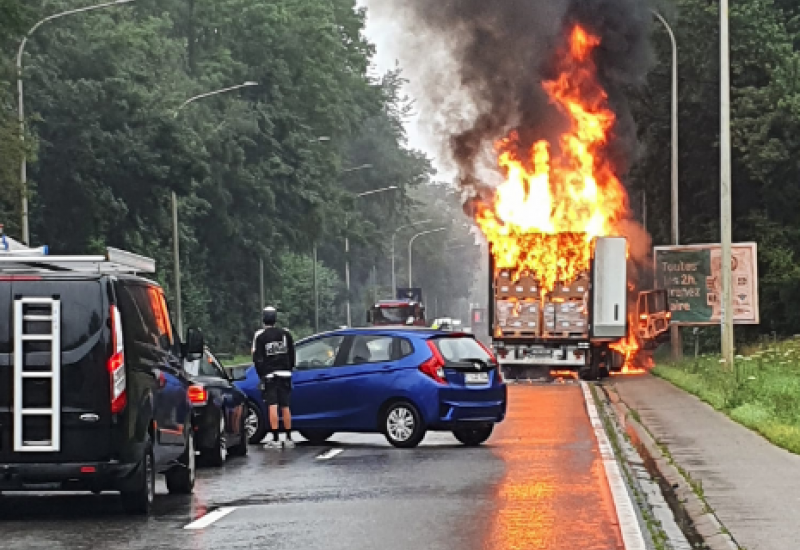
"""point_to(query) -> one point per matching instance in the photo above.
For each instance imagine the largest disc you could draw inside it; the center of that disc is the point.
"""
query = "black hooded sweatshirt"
(273, 352)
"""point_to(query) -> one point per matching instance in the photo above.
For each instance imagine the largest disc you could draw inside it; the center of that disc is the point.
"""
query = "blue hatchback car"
(401, 382)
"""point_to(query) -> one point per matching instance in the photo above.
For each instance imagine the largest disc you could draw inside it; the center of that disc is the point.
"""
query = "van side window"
(133, 324)
(162, 313)
(152, 326)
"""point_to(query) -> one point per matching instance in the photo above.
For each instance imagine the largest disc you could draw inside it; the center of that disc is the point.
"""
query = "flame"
(635, 362)
(556, 199)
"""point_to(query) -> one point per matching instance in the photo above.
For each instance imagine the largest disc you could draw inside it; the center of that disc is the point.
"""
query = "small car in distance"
(219, 411)
(400, 382)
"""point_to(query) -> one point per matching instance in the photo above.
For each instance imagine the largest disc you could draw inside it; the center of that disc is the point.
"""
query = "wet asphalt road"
(537, 484)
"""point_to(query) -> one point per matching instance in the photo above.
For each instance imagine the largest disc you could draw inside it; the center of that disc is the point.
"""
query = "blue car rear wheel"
(472, 437)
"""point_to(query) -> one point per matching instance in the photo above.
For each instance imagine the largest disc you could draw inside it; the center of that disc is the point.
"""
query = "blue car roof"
(418, 332)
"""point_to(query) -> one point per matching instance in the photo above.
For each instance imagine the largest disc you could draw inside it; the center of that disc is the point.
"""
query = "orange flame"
(629, 348)
(551, 205)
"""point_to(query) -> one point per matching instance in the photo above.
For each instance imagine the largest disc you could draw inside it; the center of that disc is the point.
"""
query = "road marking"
(329, 454)
(628, 522)
(211, 517)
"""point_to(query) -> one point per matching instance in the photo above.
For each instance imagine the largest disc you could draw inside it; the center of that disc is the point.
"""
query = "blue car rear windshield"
(461, 348)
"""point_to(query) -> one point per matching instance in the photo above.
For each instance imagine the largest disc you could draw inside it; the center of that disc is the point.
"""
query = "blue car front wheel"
(402, 425)
(255, 424)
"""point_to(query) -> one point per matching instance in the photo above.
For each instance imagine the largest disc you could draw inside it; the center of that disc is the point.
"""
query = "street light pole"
(675, 332)
(215, 92)
(23, 169)
(411, 243)
(394, 234)
(316, 292)
(175, 237)
(674, 168)
(176, 252)
(725, 187)
(347, 239)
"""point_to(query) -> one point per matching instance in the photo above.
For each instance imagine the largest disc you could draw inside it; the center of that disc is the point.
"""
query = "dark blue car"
(401, 382)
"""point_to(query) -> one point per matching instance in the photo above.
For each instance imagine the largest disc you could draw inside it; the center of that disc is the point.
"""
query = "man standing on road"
(273, 355)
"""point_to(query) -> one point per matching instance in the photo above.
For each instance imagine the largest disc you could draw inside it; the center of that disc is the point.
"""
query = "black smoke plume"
(504, 49)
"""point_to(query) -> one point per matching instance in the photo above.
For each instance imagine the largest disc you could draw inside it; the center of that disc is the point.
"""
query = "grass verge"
(760, 391)
(237, 360)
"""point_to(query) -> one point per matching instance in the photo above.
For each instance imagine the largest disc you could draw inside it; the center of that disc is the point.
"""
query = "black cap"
(269, 315)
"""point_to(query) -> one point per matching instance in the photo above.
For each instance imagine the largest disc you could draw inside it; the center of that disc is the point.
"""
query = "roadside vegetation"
(263, 175)
(760, 391)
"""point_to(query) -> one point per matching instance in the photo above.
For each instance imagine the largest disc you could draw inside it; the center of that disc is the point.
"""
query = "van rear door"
(80, 425)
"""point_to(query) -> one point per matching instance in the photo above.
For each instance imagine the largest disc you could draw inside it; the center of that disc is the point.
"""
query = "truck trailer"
(573, 326)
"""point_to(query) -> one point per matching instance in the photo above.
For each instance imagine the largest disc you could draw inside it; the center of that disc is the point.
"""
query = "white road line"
(329, 454)
(211, 517)
(626, 514)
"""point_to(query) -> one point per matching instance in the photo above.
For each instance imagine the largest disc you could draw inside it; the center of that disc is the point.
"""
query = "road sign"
(693, 280)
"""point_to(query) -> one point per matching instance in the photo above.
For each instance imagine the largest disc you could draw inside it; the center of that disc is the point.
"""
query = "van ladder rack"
(36, 260)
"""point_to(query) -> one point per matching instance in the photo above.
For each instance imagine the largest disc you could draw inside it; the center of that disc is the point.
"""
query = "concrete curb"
(705, 521)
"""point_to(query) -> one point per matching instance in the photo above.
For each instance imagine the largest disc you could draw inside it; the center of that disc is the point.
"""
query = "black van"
(92, 391)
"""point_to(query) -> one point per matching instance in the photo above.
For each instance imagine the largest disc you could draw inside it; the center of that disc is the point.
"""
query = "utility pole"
(374, 283)
(261, 283)
(728, 342)
(177, 263)
(316, 292)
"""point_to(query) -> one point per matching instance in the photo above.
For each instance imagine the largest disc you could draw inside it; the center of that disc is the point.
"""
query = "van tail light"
(434, 367)
(198, 395)
(116, 365)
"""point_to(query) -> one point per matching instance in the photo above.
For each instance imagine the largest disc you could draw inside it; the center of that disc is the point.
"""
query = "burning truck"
(557, 231)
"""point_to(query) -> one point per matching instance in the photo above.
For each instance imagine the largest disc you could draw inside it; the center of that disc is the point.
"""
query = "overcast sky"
(394, 47)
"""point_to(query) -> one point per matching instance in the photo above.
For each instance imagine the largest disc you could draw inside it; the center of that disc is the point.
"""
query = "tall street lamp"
(347, 246)
(314, 252)
(175, 239)
(23, 169)
(394, 234)
(675, 333)
(674, 168)
(411, 243)
(215, 92)
(725, 185)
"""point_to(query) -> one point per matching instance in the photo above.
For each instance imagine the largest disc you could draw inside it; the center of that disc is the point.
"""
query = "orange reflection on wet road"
(554, 495)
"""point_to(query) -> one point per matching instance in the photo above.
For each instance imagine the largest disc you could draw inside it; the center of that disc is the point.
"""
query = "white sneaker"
(271, 444)
(288, 444)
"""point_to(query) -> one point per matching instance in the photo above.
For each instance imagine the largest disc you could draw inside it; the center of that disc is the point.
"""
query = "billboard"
(692, 277)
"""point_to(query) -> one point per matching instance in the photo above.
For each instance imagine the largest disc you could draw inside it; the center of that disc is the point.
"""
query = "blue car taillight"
(434, 367)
